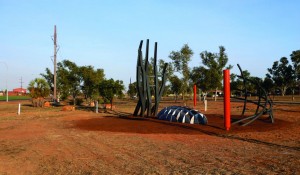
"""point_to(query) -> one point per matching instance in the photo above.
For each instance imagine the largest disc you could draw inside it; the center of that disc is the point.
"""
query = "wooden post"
(54, 62)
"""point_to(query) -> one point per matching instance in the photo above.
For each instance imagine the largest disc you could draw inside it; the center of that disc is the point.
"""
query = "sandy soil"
(51, 141)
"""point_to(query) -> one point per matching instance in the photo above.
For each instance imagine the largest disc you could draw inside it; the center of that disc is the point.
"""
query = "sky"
(106, 34)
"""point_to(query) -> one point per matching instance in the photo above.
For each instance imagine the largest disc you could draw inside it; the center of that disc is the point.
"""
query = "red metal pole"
(226, 83)
(195, 95)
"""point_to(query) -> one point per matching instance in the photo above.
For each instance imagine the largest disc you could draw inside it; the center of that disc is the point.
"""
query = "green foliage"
(268, 85)
(176, 85)
(69, 77)
(132, 91)
(215, 63)
(295, 57)
(49, 77)
(180, 61)
(74, 80)
(90, 81)
(38, 88)
(170, 69)
(210, 75)
(238, 84)
(283, 74)
(201, 77)
(109, 88)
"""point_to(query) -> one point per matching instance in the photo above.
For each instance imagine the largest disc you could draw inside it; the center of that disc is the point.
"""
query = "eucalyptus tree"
(175, 85)
(49, 77)
(90, 80)
(268, 85)
(132, 91)
(199, 77)
(214, 63)
(170, 68)
(283, 74)
(237, 83)
(295, 57)
(69, 78)
(180, 60)
(109, 88)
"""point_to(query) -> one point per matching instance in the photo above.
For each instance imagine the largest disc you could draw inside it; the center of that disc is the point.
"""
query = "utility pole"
(54, 62)
(21, 81)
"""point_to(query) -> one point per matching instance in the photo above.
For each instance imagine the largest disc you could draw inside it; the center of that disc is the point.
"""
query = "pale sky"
(106, 34)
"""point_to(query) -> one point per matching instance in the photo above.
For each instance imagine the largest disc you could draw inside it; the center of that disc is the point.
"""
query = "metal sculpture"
(182, 115)
(264, 103)
(143, 83)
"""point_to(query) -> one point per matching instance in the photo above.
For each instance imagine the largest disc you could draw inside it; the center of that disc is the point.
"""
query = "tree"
(109, 88)
(180, 60)
(283, 74)
(198, 77)
(90, 81)
(132, 91)
(170, 69)
(69, 77)
(38, 90)
(268, 85)
(176, 85)
(49, 77)
(237, 83)
(295, 57)
(73, 79)
(214, 63)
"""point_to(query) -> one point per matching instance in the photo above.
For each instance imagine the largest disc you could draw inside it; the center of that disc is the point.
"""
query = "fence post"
(97, 106)
(19, 109)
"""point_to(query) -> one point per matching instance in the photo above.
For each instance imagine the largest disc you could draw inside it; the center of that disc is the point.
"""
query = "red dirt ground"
(51, 141)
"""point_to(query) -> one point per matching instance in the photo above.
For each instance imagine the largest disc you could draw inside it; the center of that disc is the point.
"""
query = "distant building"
(18, 91)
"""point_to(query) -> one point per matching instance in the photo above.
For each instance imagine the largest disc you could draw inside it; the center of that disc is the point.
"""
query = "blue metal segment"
(182, 114)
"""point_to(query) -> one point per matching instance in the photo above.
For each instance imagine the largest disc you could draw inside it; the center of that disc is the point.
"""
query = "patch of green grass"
(3, 98)
(8, 118)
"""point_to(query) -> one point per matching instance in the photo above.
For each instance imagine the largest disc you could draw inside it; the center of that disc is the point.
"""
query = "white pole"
(19, 109)
(205, 105)
(96, 106)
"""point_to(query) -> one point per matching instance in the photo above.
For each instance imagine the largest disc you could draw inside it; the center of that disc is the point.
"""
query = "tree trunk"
(216, 94)
(204, 96)
(74, 100)
(111, 103)
(283, 90)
